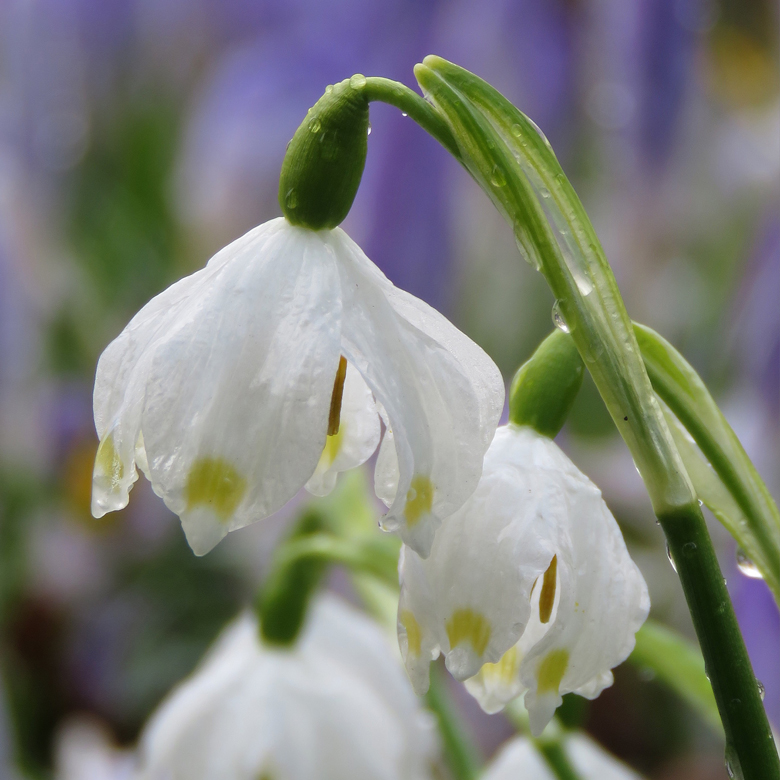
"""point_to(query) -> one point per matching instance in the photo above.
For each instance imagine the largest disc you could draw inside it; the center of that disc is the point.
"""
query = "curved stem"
(513, 163)
(416, 107)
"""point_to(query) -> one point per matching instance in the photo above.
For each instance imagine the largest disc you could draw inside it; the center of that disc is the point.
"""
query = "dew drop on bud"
(761, 689)
(329, 89)
(497, 178)
(291, 199)
(315, 126)
(746, 566)
(403, 113)
(517, 131)
(557, 318)
(669, 556)
(358, 81)
(369, 129)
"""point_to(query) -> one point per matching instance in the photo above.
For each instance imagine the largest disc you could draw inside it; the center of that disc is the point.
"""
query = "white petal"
(475, 597)
(334, 706)
(231, 387)
(442, 394)
(356, 440)
(519, 758)
(603, 597)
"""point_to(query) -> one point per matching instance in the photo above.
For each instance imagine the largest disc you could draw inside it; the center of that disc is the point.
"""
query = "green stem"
(514, 164)
(462, 755)
(748, 733)
(550, 744)
(415, 106)
(554, 754)
(369, 556)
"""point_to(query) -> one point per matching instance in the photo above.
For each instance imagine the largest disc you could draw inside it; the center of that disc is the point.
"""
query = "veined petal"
(356, 439)
(472, 596)
(238, 393)
(531, 577)
(442, 394)
(120, 380)
(603, 597)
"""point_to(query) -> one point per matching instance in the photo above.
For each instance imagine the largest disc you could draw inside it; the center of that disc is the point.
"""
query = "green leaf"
(678, 664)
(720, 469)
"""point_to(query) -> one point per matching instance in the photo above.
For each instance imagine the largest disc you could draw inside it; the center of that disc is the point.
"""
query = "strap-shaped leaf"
(721, 471)
(679, 664)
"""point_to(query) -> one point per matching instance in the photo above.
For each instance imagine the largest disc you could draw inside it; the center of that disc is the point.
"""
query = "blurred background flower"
(139, 136)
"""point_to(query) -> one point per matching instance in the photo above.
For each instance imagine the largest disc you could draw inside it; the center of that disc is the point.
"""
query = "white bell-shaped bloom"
(520, 759)
(220, 390)
(528, 586)
(335, 706)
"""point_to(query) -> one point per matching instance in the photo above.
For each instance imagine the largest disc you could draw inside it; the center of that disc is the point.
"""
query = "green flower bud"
(324, 163)
(544, 388)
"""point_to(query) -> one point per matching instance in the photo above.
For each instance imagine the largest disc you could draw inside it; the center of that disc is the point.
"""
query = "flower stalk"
(511, 160)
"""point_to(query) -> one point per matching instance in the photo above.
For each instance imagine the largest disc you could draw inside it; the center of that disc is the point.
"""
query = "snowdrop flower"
(519, 758)
(529, 587)
(335, 706)
(84, 750)
(264, 372)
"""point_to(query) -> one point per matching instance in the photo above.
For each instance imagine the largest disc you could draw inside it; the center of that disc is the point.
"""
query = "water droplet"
(557, 318)
(497, 178)
(746, 566)
(669, 556)
(545, 193)
(358, 81)
(369, 129)
(761, 689)
(403, 113)
(315, 126)
(517, 131)
(329, 89)
(733, 768)
(689, 548)
(701, 503)
(291, 199)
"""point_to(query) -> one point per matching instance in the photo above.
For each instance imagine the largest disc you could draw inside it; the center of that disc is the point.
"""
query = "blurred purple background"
(139, 136)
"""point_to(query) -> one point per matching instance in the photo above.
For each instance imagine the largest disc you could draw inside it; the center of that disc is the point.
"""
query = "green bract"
(324, 162)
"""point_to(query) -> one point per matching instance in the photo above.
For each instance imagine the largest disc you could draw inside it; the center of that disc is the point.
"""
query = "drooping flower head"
(336, 706)
(529, 587)
(267, 370)
(224, 389)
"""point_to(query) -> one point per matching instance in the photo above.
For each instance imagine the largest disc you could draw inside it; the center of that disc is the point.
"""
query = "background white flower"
(335, 706)
(520, 759)
(531, 577)
(220, 389)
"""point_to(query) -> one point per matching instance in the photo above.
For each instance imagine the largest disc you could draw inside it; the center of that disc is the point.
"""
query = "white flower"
(333, 707)
(220, 390)
(84, 750)
(531, 577)
(519, 758)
